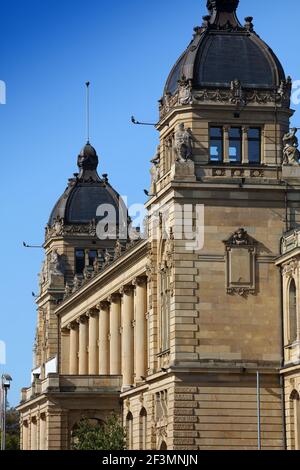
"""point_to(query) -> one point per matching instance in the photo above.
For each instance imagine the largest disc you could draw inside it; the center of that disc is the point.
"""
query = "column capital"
(103, 305)
(82, 319)
(140, 281)
(114, 298)
(92, 312)
(72, 325)
(65, 330)
(126, 290)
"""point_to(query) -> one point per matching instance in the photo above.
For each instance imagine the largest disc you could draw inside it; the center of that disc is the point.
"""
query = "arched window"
(295, 420)
(129, 431)
(163, 446)
(292, 312)
(143, 429)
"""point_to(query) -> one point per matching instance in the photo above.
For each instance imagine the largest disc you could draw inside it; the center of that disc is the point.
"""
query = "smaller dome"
(85, 193)
(88, 158)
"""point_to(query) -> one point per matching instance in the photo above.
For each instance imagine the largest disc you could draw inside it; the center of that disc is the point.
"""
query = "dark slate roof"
(85, 193)
(223, 50)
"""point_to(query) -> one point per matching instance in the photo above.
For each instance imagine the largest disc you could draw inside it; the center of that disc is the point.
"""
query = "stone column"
(140, 334)
(25, 435)
(43, 432)
(93, 341)
(226, 144)
(83, 344)
(33, 434)
(127, 314)
(245, 147)
(103, 338)
(74, 345)
(115, 334)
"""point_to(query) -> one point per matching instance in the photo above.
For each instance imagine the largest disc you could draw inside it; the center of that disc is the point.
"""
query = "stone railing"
(55, 383)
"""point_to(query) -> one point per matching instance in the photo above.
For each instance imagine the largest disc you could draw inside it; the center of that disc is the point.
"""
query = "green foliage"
(12, 430)
(108, 436)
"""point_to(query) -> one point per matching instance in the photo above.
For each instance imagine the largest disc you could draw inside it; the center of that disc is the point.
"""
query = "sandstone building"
(170, 329)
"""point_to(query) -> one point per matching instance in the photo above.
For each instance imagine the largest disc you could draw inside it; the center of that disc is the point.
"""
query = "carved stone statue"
(237, 95)
(183, 144)
(154, 171)
(77, 283)
(56, 265)
(185, 95)
(118, 249)
(291, 153)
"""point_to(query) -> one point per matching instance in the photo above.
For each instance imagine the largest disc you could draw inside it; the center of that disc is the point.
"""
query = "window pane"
(254, 152)
(235, 133)
(79, 261)
(92, 256)
(235, 152)
(216, 132)
(216, 151)
(254, 133)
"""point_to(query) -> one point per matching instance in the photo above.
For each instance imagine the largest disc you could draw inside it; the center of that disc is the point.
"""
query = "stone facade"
(176, 325)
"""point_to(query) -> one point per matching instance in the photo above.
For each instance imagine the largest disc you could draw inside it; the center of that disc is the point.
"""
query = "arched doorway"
(92, 422)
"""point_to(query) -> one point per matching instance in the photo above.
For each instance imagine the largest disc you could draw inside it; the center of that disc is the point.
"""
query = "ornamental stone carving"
(290, 268)
(291, 153)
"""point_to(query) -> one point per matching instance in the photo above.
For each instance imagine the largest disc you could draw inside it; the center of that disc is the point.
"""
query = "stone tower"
(215, 304)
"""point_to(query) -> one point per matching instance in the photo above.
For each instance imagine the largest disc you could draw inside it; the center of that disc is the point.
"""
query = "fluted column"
(140, 334)
(103, 338)
(115, 334)
(83, 345)
(74, 344)
(127, 315)
(93, 317)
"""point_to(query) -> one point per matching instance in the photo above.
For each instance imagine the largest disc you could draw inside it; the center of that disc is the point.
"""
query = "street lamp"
(5, 386)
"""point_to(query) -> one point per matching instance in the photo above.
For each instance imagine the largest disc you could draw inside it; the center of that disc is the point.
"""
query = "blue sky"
(48, 50)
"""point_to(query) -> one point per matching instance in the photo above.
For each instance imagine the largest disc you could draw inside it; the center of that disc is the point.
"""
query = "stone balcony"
(67, 385)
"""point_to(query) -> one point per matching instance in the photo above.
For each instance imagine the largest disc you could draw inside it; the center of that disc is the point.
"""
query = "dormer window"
(235, 145)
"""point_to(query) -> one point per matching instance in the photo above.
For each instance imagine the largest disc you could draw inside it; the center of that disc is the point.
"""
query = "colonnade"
(111, 338)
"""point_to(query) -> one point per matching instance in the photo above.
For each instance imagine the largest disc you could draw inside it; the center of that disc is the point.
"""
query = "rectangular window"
(92, 256)
(79, 261)
(254, 142)
(235, 144)
(216, 144)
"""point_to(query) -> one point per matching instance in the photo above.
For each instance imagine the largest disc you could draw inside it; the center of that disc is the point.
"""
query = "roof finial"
(88, 111)
(228, 6)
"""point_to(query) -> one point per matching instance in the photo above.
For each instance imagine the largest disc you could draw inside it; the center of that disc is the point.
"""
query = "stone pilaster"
(140, 333)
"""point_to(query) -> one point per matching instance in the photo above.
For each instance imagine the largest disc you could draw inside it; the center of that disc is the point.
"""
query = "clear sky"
(48, 50)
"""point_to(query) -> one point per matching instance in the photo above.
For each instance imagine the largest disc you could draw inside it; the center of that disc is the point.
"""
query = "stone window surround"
(245, 147)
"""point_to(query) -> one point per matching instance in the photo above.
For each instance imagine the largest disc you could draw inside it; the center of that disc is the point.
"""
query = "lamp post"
(5, 386)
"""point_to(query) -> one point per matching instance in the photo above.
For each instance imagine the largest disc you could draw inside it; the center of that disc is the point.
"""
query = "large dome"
(85, 193)
(223, 50)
